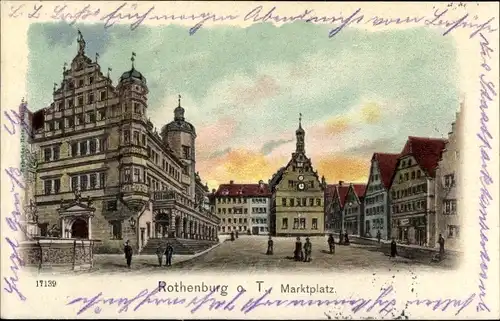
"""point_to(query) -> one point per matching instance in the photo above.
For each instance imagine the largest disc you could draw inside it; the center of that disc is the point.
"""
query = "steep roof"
(426, 151)
(341, 192)
(243, 190)
(386, 166)
(359, 189)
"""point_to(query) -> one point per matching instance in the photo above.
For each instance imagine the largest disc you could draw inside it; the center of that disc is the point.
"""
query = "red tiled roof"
(342, 191)
(242, 190)
(359, 189)
(426, 151)
(330, 190)
(386, 166)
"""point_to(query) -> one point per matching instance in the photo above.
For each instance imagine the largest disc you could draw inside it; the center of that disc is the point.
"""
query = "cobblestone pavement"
(248, 254)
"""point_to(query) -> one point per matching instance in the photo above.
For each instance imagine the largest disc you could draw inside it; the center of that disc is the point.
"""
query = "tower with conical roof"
(300, 135)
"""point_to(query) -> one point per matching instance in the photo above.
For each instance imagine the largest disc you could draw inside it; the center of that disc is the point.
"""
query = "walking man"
(128, 253)
(346, 239)
(441, 247)
(393, 248)
(379, 236)
(169, 251)
(331, 244)
(298, 255)
(307, 250)
(159, 254)
(232, 236)
(270, 244)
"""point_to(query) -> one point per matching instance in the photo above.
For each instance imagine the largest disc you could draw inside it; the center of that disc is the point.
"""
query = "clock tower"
(298, 197)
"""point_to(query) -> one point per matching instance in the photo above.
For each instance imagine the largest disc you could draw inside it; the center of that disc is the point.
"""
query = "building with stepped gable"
(95, 142)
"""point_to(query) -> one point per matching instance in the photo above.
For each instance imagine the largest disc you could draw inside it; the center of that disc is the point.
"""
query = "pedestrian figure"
(236, 233)
(232, 236)
(331, 244)
(393, 248)
(379, 236)
(298, 255)
(169, 251)
(159, 254)
(441, 247)
(346, 239)
(270, 244)
(128, 253)
(307, 250)
(341, 238)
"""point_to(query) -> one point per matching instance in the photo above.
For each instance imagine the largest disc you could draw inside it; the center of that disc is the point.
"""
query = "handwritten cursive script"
(487, 94)
(242, 302)
(136, 15)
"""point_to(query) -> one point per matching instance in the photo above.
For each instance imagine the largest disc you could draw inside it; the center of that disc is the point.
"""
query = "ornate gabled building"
(345, 208)
(377, 199)
(413, 191)
(297, 201)
(95, 140)
(448, 184)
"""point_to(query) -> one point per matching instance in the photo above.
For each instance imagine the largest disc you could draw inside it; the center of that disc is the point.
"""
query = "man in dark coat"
(128, 253)
(307, 250)
(298, 250)
(379, 236)
(169, 251)
(393, 248)
(331, 244)
(232, 236)
(159, 254)
(236, 234)
(270, 244)
(441, 247)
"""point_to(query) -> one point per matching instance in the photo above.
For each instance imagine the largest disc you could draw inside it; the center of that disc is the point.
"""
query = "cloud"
(368, 147)
(271, 145)
(339, 167)
(337, 125)
(371, 113)
(263, 87)
(219, 153)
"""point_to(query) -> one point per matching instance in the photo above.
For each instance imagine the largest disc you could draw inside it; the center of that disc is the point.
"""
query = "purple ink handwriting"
(15, 121)
(487, 95)
(240, 302)
(136, 15)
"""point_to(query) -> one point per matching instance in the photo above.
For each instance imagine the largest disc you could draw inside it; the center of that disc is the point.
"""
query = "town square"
(110, 189)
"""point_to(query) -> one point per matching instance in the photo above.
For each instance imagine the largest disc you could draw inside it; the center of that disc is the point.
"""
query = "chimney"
(231, 182)
(341, 182)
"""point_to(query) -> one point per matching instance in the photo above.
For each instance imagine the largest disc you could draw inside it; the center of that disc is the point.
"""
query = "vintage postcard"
(249, 160)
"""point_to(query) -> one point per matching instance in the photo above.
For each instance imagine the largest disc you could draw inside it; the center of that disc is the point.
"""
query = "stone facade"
(346, 207)
(95, 139)
(448, 196)
(297, 206)
(412, 191)
(243, 208)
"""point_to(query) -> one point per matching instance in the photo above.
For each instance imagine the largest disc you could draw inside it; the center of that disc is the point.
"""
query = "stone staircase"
(181, 246)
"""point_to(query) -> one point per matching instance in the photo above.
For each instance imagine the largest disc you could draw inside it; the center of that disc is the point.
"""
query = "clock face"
(301, 177)
(301, 186)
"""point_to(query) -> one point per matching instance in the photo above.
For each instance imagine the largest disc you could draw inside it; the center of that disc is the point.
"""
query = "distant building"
(243, 208)
(412, 191)
(448, 196)
(297, 195)
(346, 207)
(377, 199)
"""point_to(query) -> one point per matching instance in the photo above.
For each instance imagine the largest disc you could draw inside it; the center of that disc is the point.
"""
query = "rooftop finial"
(300, 120)
(132, 59)
(179, 100)
(81, 43)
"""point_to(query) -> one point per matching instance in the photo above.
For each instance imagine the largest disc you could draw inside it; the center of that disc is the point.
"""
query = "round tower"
(180, 136)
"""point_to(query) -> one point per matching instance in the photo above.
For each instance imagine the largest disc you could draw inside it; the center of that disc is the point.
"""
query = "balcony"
(133, 116)
(134, 150)
(134, 188)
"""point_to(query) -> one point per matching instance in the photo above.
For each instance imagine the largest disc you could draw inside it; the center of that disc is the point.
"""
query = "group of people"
(160, 252)
(302, 254)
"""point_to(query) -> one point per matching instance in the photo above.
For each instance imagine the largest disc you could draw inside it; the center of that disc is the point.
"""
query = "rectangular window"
(302, 223)
(80, 100)
(284, 223)
(126, 175)
(79, 119)
(283, 201)
(103, 95)
(126, 137)
(91, 80)
(93, 181)
(295, 223)
(70, 103)
(57, 185)
(143, 139)
(92, 146)
(318, 202)
(136, 138)
(47, 154)
(292, 202)
(74, 183)
(314, 223)
(47, 186)
(186, 152)
(71, 122)
(137, 175)
(116, 230)
(83, 148)
(102, 179)
(80, 82)
(83, 182)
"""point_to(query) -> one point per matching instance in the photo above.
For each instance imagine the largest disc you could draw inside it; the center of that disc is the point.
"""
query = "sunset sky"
(359, 92)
